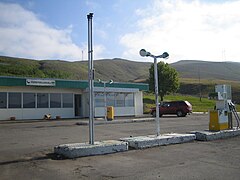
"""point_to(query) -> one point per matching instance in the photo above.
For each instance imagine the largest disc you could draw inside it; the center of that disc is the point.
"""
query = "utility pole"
(199, 86)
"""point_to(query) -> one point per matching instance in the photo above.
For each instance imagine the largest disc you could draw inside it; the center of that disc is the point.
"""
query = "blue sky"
(57, 29)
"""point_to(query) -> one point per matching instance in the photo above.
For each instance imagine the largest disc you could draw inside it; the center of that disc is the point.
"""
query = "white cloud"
(187, 30)
(22, 34)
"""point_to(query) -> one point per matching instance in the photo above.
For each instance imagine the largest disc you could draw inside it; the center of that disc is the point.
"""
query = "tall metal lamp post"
(105, 96)
(165, 55)
(90, 80)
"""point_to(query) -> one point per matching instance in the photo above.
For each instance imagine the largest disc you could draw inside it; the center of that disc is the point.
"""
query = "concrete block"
(85, 149)
(212, 135)
(142, 142)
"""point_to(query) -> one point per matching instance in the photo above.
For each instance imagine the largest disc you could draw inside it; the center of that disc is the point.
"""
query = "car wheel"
(179, 113)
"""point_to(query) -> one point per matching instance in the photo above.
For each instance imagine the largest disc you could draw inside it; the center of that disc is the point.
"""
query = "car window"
(166, 104)
(174, 104)
(181, 103)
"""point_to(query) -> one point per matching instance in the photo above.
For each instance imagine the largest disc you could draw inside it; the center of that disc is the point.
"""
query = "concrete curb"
(96, 122)
(210, 136)
(199, 112)
(142, 142)
(84, 149)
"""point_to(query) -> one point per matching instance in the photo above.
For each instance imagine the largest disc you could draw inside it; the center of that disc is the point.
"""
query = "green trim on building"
(12, 81)
(140, 86)
(60, 83)
(71, 84)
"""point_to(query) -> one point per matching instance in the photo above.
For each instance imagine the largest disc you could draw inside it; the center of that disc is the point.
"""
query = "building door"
(78, 104)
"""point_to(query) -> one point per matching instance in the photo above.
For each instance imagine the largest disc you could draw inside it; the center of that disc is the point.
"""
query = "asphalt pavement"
(27, 151)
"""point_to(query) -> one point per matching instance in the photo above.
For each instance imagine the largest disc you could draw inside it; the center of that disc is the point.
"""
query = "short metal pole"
(157, 119)
(105, 102)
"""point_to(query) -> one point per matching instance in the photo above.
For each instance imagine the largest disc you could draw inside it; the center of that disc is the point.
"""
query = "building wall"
(118, 111)
(38, 113)
(138, 98)
(85, 105)
(135, 110)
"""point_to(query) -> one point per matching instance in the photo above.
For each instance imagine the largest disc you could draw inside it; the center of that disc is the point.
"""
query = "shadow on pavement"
(51, 156)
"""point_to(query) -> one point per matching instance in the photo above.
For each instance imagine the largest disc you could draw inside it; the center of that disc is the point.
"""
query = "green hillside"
(208, 70)
(31, 68)
(200, 77)
(195, 76)
(115, 69)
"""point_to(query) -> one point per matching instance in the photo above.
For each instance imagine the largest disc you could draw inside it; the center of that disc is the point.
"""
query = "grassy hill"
(208, 70)
(30, 68)
(115, 69)
(202, 76)
(194, 75)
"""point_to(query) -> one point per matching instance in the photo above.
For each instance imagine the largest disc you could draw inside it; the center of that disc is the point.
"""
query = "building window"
(110, 99)
(42, 100)
(3, 100)
(99, 99)
(129, 100)
(115, 99)
(14, 100)
(67, 100)
(29, 100)
(119, 98)
(55, 100)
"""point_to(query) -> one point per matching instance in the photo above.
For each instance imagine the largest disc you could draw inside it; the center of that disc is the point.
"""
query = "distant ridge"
(120, 70)
(117, 69)
(208, 70)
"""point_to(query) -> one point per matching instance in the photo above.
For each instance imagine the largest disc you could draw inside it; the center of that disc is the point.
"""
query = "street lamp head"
(111, 81)
(165, 55)
(90, 15)
(144, 53)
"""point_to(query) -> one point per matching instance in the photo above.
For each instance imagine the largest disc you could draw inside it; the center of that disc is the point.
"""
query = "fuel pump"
(234, 111)
(221, 117)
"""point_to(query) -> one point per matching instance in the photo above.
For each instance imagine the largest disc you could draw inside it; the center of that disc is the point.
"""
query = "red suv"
(180, 108)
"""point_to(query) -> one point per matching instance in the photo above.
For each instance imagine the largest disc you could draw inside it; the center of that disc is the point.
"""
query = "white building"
(29, 98)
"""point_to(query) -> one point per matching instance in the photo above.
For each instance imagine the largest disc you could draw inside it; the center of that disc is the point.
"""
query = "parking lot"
(27, 147)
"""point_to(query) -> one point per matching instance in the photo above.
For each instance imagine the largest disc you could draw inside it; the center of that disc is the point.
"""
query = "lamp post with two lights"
(165, 55)
(105, 96)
